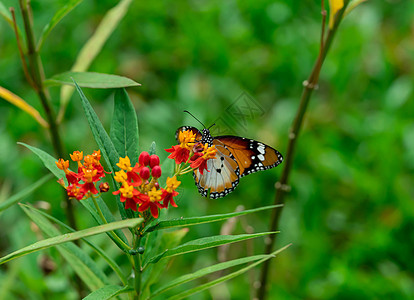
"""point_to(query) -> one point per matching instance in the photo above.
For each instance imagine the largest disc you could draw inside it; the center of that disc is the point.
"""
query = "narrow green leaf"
(48, 160)
(106, 146)
(208, 270)
(124, 127)
(98, 250)
(23, 193)
(91, 80)
(108, 292)
(205, 243)
(59, 15)
(5, 13)
(93, 47)
(81, 263)
(184, 222)
(202, 287)
(68, 237)
(153, 272)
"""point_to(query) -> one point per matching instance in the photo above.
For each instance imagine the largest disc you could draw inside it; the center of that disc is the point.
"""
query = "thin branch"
(37, 74)
(21, 52)
(282, 186)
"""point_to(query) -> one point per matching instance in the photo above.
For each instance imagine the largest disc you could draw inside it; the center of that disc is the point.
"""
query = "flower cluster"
(140, 189)
(191, 151)
(82, 184)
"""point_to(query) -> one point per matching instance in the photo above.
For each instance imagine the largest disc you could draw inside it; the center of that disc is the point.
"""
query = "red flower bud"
(145, 172)
(144, 158)
(154, 161)
(156, 172)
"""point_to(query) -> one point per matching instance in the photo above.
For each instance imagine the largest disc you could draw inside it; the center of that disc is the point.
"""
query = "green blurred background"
(350, 212)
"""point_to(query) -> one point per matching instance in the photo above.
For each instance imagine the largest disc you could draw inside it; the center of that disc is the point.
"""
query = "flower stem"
(137, 269)
(113, 234)
(282, 186)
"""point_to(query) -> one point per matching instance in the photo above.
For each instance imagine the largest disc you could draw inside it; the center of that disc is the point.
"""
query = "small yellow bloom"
(77, 156)
(172, 184)
(96, 154)
(334, 6)
(62, 164)
(127, 190)
(124, 164)
(120, 176)
(209, 152)
(88, 174)
(186, 139)
(155, 195)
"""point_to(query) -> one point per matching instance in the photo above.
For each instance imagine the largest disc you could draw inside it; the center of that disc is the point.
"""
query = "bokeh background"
(350, 214)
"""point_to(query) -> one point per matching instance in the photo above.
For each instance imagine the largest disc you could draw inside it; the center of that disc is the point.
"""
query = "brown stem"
(282, 186)
(38, 76)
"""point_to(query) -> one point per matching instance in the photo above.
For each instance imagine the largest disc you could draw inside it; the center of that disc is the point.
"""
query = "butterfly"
(236, 157)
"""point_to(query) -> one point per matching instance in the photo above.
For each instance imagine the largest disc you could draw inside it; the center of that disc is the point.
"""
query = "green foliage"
(90, 80)
(131, 223)
(184, 222)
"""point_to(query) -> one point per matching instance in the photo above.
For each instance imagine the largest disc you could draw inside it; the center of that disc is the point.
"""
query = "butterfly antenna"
(212, 126)
(186, 111)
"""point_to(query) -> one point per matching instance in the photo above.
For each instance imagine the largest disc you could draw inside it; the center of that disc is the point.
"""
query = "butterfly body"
(236, 157)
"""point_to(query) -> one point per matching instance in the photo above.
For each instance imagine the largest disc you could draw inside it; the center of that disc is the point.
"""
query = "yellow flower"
(120, 176)
(124, 164)
(334, 6)
(172, 184)
(155, 196)
(186, 139)
(77, 156)
(127, 190)
(209, 152)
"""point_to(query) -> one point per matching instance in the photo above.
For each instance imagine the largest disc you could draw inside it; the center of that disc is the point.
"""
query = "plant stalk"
(37, 77)
(137, 269)
(282, 185)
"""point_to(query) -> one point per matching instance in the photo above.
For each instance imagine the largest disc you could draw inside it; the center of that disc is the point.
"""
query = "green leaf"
(153, 148)
(91, 80)
(205, 243)
(108, 292)
(60, 14)
(208, 270)
(153, 272)
(68, 237)
(48, 160)
(106, 146)
(5, 13)
(98, 250)
(23, 193)
(81, 263)
(124, 127)
(93, 47)
(202, 287)
(184, 222)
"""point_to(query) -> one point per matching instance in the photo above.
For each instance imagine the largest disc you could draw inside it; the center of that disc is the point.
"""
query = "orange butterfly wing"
(236, 157)
(251, 156)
